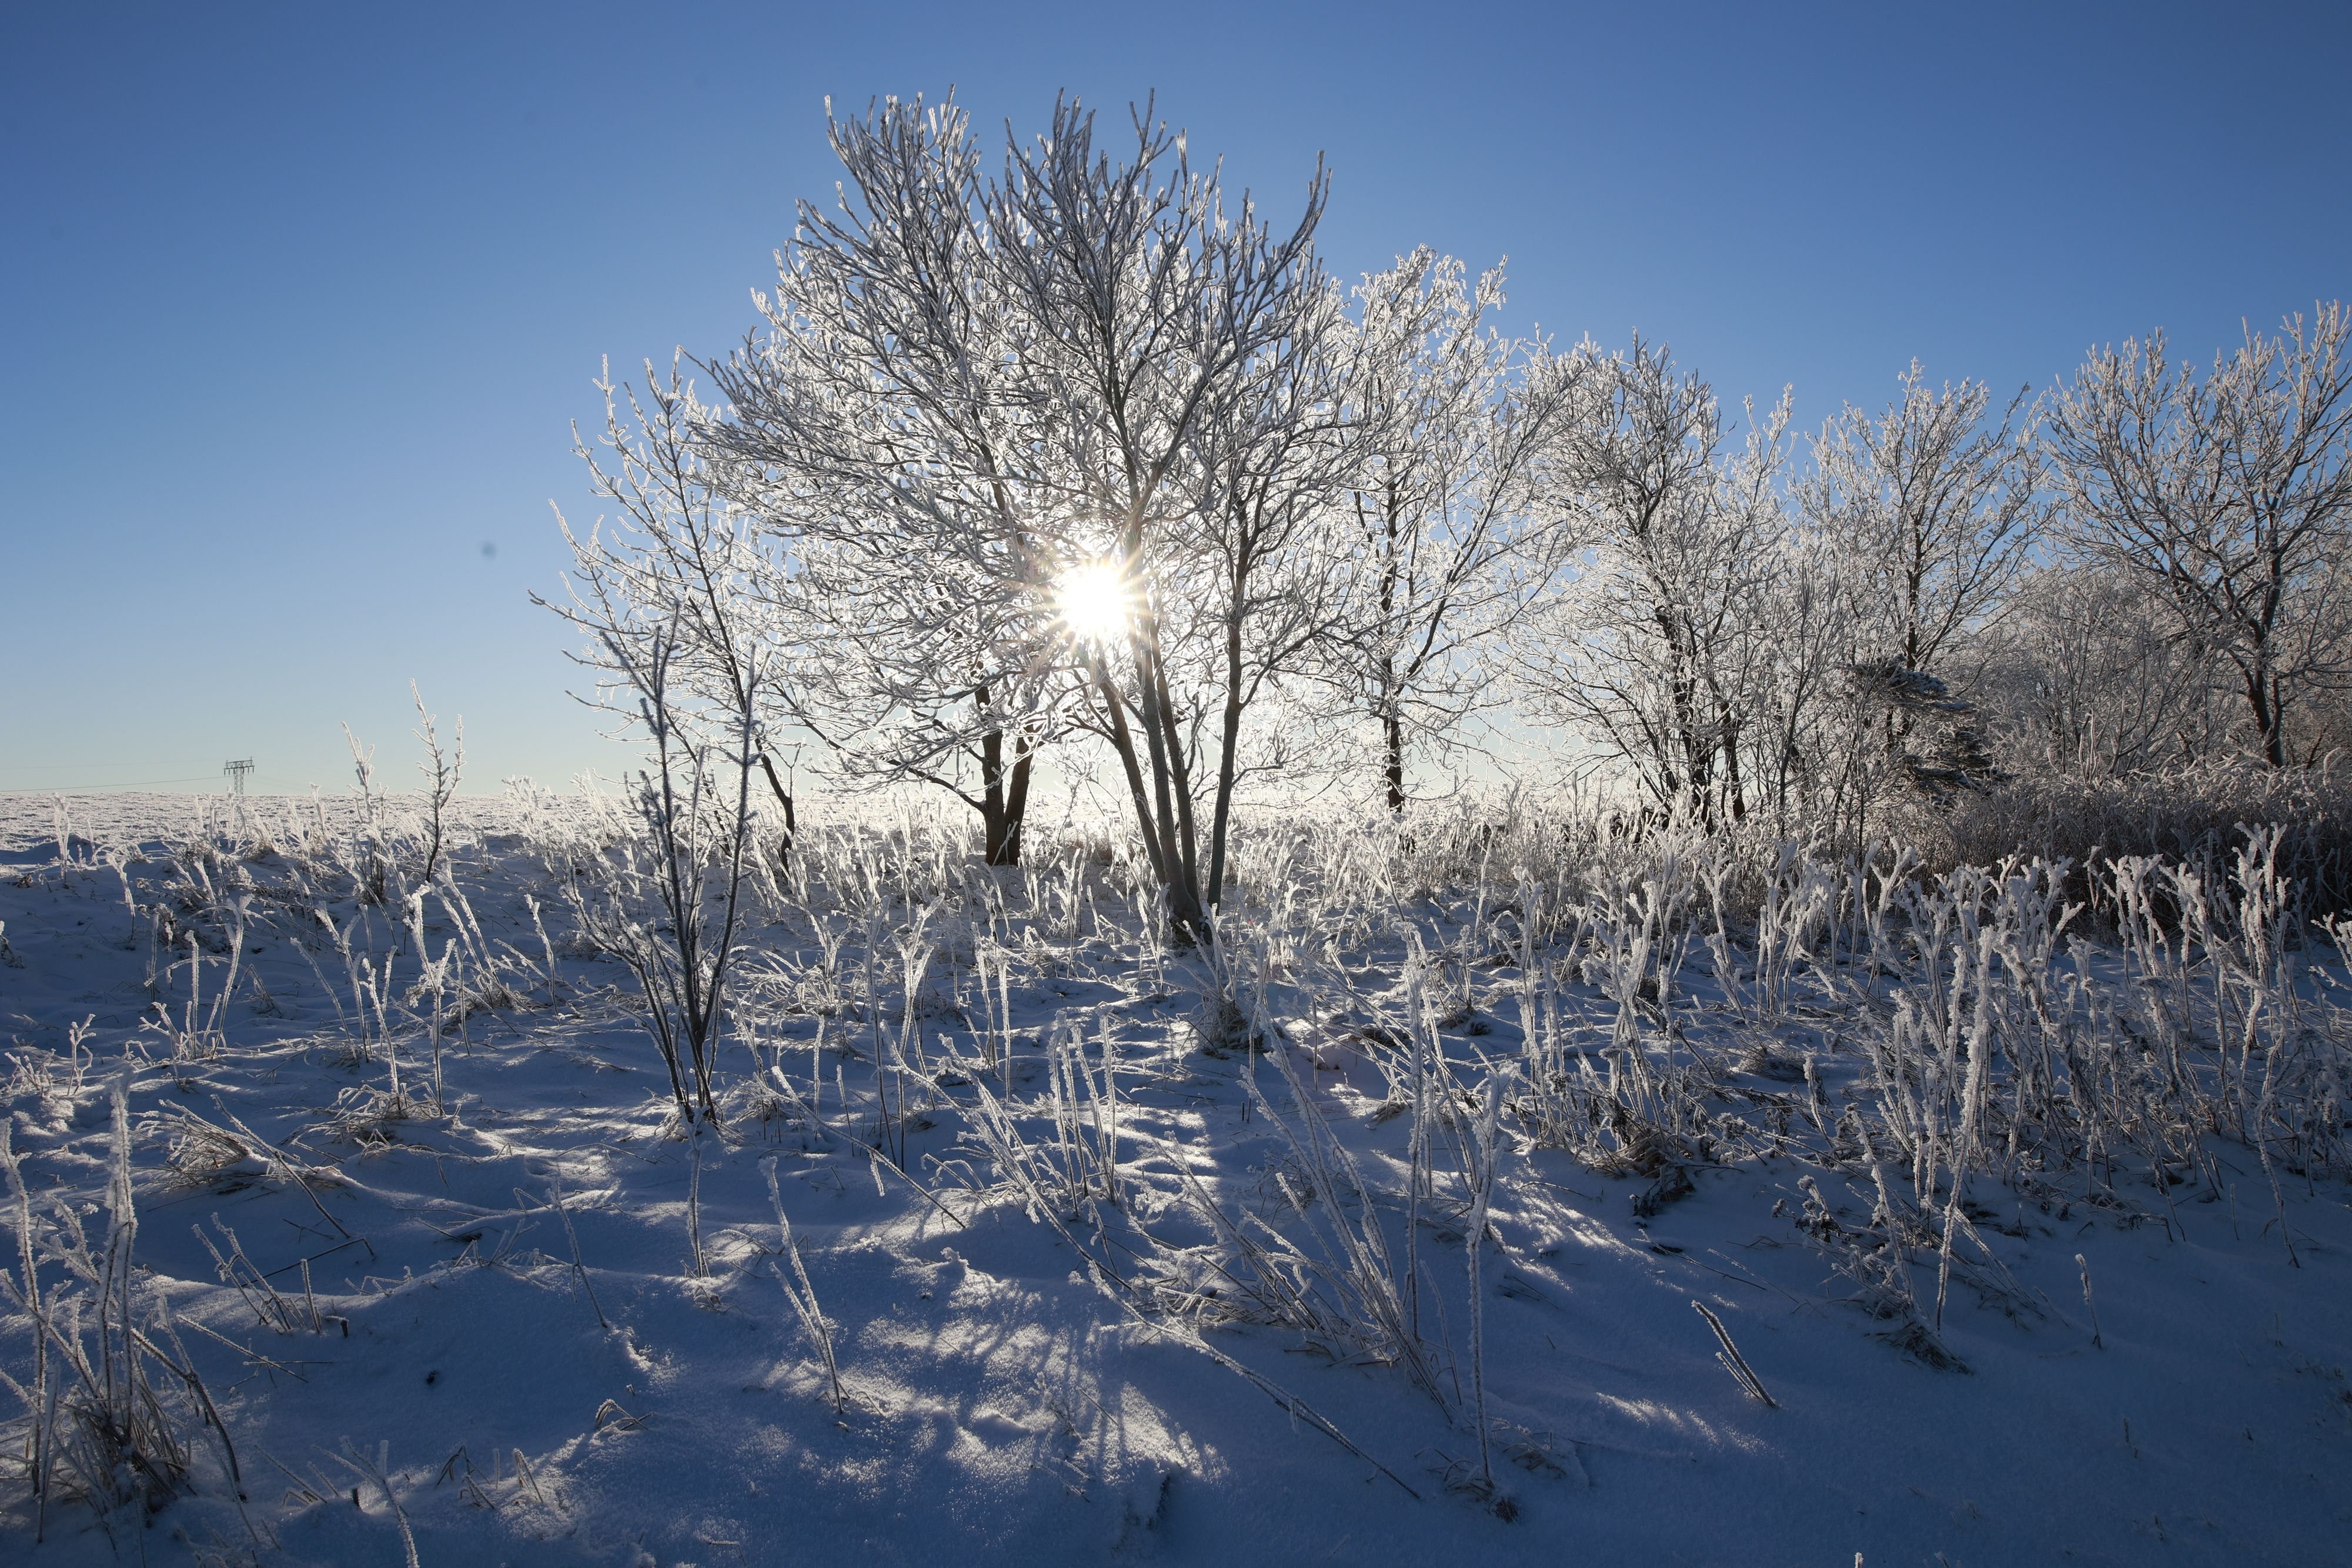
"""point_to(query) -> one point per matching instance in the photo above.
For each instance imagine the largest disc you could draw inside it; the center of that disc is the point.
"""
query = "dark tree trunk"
(1392, 738)
(2270, 718)
(791, 823)
(1228, 748)
(1735, 788)
(1155, 808)
(1004, 799)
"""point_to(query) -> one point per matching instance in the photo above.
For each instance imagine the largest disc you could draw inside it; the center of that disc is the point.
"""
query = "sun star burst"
(1094, 600)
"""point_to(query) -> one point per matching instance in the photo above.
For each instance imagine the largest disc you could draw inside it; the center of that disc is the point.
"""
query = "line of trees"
(1329, 530)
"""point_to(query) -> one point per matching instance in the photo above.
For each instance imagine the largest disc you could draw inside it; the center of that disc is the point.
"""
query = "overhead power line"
(75, 767)
(136, 784)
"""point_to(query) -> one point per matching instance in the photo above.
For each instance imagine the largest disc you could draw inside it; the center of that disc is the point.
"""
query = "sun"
(1094, 602)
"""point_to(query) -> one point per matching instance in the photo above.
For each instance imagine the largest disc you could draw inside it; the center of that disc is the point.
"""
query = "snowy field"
(1509, 1195)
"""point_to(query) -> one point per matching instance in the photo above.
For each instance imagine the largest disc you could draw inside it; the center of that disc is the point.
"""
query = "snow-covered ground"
(480, 1324)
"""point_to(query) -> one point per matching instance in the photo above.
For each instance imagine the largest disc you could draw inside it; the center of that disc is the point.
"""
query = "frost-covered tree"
(1653, 643)
(1266, 566)
(1174, 351)
(686, 653)
(1449, 422)
(885, 432)
(2231, 493)
(1918, 524)
(1934, 510)
(676, 564)
(2089, 676)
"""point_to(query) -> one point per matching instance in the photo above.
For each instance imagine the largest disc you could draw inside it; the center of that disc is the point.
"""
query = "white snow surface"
(1002, 1406)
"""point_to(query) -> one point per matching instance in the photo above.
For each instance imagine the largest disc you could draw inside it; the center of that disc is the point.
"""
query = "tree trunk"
(1000, 835)
(1003, 793)
(1122, 741)
(1735, 790)
(791, 823)
(1392, 740)
(1155, 801)
(1003, 798)
(2270, 719)
(1016, 804)
(1228, 746)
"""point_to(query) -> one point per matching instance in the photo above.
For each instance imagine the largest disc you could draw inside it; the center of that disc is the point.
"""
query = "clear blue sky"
(296, 304)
